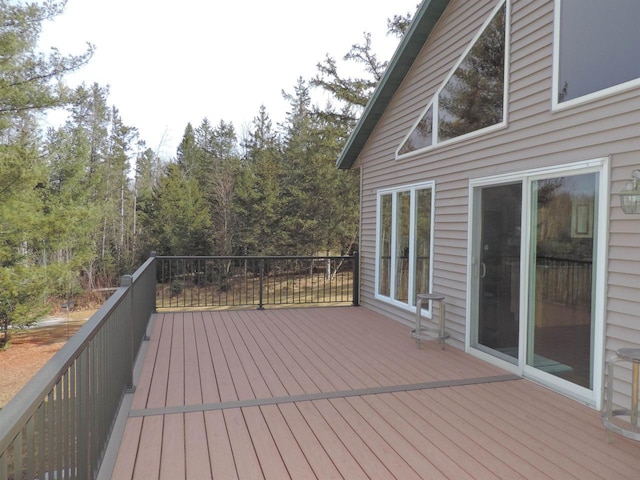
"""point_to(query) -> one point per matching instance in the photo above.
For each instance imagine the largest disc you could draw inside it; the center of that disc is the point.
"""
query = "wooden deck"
(344, 393)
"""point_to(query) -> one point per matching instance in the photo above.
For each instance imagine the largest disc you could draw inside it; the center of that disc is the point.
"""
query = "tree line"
(86, 202)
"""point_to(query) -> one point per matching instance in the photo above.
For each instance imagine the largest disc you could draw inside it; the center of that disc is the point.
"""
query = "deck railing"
(58, 425)
(226, 282)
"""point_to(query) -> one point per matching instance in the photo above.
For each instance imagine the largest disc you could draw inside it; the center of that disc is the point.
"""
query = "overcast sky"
(169, 63)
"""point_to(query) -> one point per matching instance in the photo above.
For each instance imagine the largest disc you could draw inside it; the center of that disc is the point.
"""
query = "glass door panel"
(560, 323)
(384, 278)
(423, 241)
(403, 216)
(498, 284)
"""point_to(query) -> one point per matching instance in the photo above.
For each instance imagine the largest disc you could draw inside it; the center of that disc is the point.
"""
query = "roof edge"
(412, 42)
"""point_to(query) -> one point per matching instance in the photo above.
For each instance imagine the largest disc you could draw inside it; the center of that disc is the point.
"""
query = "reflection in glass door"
(497, 248)
(560, 324)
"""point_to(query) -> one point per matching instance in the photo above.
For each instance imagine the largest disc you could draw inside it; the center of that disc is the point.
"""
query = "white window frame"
(605, 92)
(413, 188)
(434, 101)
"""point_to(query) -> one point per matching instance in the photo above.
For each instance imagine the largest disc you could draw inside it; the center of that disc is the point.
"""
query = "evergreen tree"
(180, 221)
(147, 178)
(297, 216)
(84, 139)
(30, 82)
(399, 24)
(188, 152)
(67, 247)
(89, 121)
(351, 93)
(322, 202)
(123, 141)
(259, 190)
(217, 168)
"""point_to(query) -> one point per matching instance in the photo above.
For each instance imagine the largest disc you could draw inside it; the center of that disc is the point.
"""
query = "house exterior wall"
(534, 137)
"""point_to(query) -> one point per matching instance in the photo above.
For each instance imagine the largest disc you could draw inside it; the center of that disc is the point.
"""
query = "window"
(421, 136)
(473, 96)
(405, 224)
(597, 47)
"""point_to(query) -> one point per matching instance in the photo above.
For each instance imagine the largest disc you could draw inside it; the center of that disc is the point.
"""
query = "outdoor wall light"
(630, 194)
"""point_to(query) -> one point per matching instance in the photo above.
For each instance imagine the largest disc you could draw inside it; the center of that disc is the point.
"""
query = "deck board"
(438, 434)
(402, 459)
(343, 392)
(149, 456)
(299, 359)
(549, 431)
(314, 453)
(356, 358)
(222, 461)
(172, 465)
(128, 452)
(192, 379)
(308, 351)
(425, 451)
(262, 361)
(176, 378)
(239, 377)
(526, 451)
(246, 460)
(157, 394)
(146, 375)
(535, 433)
(269, 457)
(357, 447)
(279, 361)
(208, 380)
(291, 453)
(225, 385)
(198, 464)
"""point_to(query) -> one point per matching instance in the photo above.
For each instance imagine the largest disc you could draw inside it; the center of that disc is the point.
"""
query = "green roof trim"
(423, 23)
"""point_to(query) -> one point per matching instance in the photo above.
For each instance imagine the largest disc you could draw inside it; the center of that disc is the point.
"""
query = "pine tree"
(179, 222)
(147, 178)
(84, 139)
(217, 164)
(351, 94)
(297, 219)
(259, 190)
(67, 246)
(30, 82)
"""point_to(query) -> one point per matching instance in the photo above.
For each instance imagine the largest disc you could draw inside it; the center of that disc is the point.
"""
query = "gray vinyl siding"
(534, 137)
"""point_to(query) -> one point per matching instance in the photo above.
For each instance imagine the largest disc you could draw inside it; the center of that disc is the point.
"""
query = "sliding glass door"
(561, 286)
(533, 279)
(498, 270)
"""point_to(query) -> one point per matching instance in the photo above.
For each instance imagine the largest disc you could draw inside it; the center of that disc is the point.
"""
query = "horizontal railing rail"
(253, 281)
(58, 425)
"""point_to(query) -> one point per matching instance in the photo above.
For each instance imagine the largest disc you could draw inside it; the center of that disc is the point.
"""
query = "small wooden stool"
(430, 333)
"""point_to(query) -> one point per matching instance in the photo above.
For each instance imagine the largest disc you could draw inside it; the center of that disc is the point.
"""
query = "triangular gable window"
(421, 136)
(473, 96)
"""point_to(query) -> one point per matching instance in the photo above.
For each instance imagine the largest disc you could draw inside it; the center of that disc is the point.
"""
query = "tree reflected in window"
(421, 136)
(473, 96)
